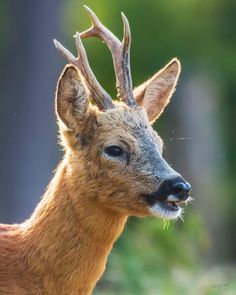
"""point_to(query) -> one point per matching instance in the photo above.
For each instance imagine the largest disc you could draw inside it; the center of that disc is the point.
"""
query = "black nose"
(180, 188)
(176, 186)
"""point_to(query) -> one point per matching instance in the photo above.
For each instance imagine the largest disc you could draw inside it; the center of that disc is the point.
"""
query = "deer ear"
(155, 93)
(71, 98)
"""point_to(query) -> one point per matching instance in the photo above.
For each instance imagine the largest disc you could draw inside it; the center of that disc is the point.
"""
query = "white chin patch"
(159, 210)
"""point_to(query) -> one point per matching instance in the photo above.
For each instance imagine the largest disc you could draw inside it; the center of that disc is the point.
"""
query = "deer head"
(112, 143)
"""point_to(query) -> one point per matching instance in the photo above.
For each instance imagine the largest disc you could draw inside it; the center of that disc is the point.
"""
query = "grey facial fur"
(148, 160)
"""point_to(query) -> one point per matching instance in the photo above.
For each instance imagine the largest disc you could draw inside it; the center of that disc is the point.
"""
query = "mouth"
(171, 205)
(168, 209)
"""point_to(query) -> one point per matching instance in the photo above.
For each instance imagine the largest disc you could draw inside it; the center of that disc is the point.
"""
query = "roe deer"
(113, 168)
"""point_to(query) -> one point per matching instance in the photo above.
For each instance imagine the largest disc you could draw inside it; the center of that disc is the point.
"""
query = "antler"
(120, 54)
(100, 96)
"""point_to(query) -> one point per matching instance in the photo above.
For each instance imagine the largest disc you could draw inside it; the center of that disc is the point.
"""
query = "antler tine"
(65, 52)
(98, 94)
(120, 53)
(126, 43)
(101, 97)
(99, 30)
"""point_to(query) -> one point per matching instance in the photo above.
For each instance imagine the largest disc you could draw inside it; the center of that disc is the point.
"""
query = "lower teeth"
(173, 204)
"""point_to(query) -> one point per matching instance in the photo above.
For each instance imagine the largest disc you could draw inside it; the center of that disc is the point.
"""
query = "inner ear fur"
(76, 119)
(155, 93)
(72, 101)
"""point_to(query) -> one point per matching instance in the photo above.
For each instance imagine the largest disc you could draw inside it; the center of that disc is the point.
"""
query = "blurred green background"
(196, 256)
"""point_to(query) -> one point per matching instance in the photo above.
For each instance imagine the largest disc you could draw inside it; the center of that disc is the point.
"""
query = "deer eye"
(114, 151)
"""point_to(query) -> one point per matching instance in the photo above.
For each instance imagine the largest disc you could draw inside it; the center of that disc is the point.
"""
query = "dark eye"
(114, 151)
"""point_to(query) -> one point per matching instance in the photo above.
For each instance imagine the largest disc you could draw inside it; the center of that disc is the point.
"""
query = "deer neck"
(69, 237)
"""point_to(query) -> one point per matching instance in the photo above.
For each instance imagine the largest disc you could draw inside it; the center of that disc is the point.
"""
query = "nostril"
(181, 188)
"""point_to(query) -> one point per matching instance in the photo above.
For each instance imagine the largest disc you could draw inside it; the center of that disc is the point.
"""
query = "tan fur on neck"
(82, 233)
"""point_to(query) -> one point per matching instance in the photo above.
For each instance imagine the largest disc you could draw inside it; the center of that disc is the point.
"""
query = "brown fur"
(63, 247)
